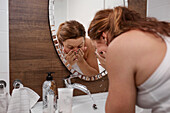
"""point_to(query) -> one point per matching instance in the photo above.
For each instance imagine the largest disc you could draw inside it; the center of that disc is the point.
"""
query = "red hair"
(121, 19)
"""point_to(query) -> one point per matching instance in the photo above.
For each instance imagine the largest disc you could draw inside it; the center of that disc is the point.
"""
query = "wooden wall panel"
(139, 6)
(31, 50)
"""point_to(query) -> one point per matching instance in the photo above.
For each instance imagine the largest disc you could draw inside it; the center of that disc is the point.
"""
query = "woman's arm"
(101, 59)
(120, 64)
(89, 66)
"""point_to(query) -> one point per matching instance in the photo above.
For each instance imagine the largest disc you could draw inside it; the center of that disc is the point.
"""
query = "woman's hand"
(71, 57)
(80, 55)
(102, 58)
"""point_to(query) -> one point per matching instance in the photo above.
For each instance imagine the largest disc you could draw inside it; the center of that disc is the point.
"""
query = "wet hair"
(70, 30)
(121, 19)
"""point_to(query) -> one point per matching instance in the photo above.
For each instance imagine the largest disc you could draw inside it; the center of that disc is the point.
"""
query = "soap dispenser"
(49, 95)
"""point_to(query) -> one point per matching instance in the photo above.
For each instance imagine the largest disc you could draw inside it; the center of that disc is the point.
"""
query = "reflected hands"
(71, 57)
(80, 55)
(101, 58)
(75, 56)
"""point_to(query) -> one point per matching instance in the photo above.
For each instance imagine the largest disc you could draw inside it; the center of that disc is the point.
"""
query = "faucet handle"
(67, 82)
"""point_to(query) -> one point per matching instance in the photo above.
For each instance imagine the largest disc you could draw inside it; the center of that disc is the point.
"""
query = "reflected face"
(73, 44)
(101, 45)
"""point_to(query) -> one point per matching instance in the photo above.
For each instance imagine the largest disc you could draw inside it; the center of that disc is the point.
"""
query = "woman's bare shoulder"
(88, 41)
(89, 44)
(132, 45)
(133, 40)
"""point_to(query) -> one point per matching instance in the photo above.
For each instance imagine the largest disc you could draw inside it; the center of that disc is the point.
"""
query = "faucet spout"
(80, 87)
(76, 86)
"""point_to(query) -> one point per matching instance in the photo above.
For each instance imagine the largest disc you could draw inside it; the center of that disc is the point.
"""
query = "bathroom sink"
(88, 107)
(84, 104)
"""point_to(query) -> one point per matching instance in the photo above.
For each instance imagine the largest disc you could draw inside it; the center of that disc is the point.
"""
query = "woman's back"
(154, 93)
(152, 75)
(150, 51)
(145, 52)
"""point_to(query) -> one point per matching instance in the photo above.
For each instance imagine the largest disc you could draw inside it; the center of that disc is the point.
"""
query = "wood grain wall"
(32, 54)
(139, 6)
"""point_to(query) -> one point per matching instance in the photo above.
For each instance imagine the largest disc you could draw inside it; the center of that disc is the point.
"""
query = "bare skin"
(102, 59)
(101, 49)
(130, 60)
(81, 51)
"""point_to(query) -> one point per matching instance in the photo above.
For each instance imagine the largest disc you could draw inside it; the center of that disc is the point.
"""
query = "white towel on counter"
(4, 101)
(22, 100)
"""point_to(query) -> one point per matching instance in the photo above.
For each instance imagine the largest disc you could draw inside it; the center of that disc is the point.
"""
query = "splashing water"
(94, 104)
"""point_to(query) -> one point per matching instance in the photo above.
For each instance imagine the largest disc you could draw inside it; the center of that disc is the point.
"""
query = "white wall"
(4, 42)
(114, 3)
(83, 10)
(60, 9)
(159, 9)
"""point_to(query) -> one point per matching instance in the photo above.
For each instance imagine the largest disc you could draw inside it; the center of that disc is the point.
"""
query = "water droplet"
(94, 106)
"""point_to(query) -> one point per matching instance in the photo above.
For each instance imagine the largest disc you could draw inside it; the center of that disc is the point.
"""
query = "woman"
(137, 59)
(79, 51)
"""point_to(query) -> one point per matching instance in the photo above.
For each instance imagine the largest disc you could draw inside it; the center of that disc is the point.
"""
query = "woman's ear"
(104, 35)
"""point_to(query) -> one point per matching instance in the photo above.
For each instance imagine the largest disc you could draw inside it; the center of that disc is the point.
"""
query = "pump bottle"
(49, 95)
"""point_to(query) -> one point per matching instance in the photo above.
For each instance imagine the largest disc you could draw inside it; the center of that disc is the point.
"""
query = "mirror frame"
(60, 52)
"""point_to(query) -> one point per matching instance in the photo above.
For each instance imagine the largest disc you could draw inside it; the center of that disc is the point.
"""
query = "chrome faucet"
(78, 86)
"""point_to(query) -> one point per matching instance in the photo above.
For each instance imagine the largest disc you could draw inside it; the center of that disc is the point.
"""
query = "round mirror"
(82, 11)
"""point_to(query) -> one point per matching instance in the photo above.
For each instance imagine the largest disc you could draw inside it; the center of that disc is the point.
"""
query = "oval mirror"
(82, 11)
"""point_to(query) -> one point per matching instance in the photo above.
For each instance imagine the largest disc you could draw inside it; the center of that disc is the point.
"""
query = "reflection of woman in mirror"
(137, 59)
(79, 51)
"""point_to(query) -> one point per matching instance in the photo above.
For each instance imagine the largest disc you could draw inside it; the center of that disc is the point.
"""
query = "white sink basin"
(88, 107)
(84, 104)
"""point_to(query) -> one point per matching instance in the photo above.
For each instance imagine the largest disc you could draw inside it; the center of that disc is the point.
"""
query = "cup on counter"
(65, 96)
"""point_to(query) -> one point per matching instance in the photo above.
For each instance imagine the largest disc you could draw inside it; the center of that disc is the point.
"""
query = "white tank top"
(76, 67)
(154, 93)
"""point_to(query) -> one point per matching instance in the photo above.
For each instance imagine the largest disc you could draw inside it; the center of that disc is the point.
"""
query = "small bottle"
(49, 95)
(4, 97)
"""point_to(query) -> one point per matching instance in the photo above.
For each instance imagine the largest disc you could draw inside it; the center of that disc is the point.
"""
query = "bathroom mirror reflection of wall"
(82, 11)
